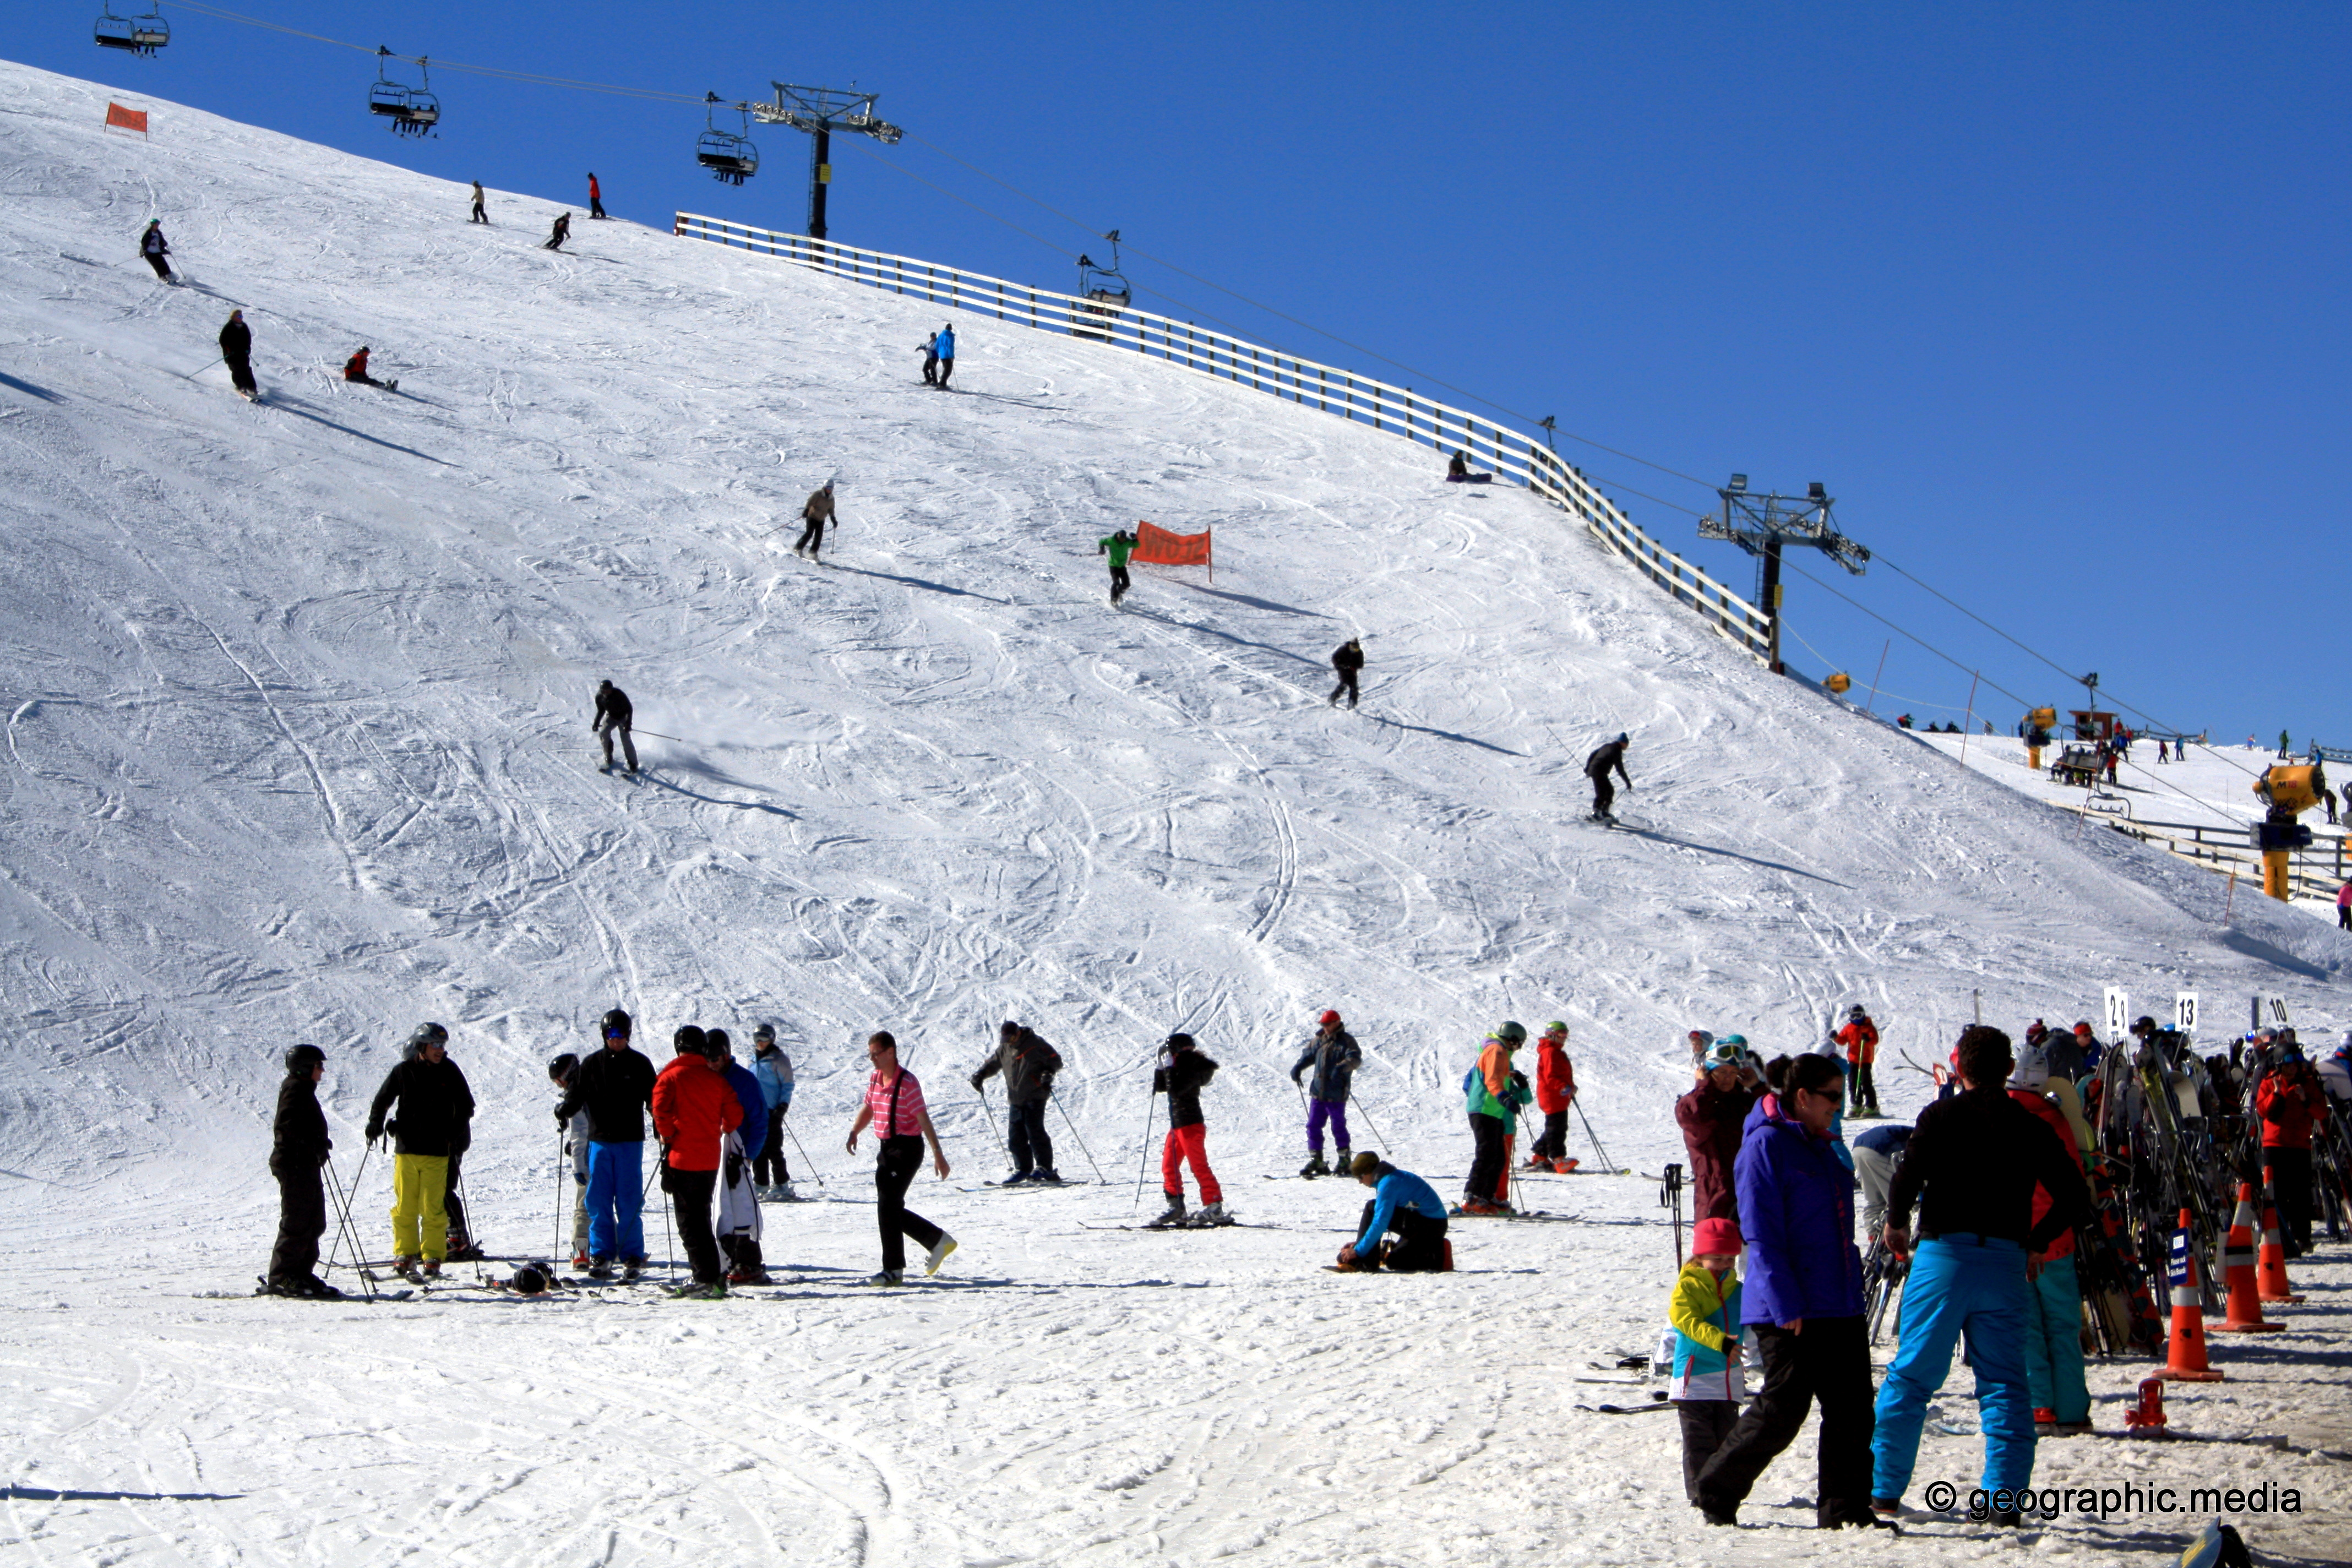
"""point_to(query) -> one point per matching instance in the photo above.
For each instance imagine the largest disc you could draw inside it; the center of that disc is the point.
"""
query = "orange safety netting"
(128, 119)
(1158, 547)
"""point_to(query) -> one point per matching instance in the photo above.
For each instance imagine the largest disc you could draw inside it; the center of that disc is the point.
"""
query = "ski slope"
(298, 749)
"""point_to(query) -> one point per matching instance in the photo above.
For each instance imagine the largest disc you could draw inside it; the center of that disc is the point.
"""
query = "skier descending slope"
(1028, 1063)
(1182, 1073)
(1348, 659)
(558, 233)
(236, 353)
(481, 213)
(1596, 768)
(299, 1146)
(1334, 1057)
(614, 1087)
(155, 248)
(816, 512)
(615, 713)
(738, 1203)
(694, 1110)
(425, 1104)
(1118, 547)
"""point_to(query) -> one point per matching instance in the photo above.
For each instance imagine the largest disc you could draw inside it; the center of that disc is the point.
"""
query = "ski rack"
(1389, 410)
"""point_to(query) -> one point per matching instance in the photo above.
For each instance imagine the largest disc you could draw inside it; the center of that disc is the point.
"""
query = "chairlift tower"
(820, 112)
(1761, 524)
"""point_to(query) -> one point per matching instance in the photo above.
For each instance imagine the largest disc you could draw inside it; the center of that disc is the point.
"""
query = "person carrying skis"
(739, 1202)
(1404, 1205)
(816, 512)
(1859, 1039)
(1334, 1057)
(1973, 1163)
(944, 346)
(558, 233)
(902, 1124)
(1494, 1092)
(615, 715)
(425, 1104)
(771, 1177)
(1348, 659)
(1183, 1072)
(693, 1110)
(1596, 768)
(299, 1146)
(356, 369)
(1028, 1064)
(595, 196)
(1713, 1116)
(560, 1073)
(1118, 547)
(155, 248)
(613, 1087)
(236, 353)
(1555, 1092)
(481, 213)
(2054, 1295)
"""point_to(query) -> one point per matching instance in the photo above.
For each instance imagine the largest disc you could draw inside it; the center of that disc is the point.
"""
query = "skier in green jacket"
(1118, 547)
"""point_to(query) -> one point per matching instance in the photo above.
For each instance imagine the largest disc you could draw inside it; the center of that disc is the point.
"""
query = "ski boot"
(1562, 1167)
(1174, 1213)
(432, 1269)
(464, 1249)
(701, 1290)
(1210, 1216)
(1048, 1177)
(631, 1269)
(583, 1262)
(1314, 1166)
(1537, 1163)
(314, 1289)
(1019, 1179)
(749, 1277)
(784, 1193)
(405, 1267)
(888, 1276)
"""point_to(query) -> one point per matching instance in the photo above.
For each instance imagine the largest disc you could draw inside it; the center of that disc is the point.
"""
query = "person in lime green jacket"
(1118, 547)
(1705, 1312)
(1493, 1092)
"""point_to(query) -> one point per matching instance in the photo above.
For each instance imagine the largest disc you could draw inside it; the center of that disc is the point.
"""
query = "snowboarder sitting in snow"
(1118, 547)
(299, 1146)
(1348, 659)
(1555, 1092)
(152, 246)
(816, 512)
(1402, 1204)
(615, 715)
(356, 369)
(1596, 768)
(1457, 471)
(1705, 1312)
(1334, 1057)
(1028, 1063)
(1183, 1072)
(236, 353)
(558, 233)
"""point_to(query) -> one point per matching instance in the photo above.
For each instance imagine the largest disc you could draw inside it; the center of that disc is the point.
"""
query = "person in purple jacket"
(1803, 1297)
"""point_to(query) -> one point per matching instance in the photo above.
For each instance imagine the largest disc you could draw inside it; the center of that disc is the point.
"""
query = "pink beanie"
(1717, 1236)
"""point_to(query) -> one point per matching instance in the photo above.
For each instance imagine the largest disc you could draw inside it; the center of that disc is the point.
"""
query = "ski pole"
(473, 1241)
(669, 1241)
(991, 1113)
(804, 1153)
(1511, 1165)
(1144, 1160)
(560, 1161)
(346, 1231)
(1357, 1107)
(1082, 1143)
(202, 368)
(359, 1257)
(1608, 1164)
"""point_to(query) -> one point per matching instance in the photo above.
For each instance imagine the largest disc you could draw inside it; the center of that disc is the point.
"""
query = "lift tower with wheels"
(1761, 524)
(820, 112)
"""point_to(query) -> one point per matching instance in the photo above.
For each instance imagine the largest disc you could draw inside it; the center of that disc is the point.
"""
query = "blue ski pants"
(2053, 1341)
(1960, 1285)
(617, 1196)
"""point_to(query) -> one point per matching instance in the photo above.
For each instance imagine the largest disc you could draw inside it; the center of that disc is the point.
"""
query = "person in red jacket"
(356, 369)
(693, 1110)
(595, 196)
(2053, 1315)
(1712, 1117)
(1859, 1039)
(1555, 1092)
(2293, 1103)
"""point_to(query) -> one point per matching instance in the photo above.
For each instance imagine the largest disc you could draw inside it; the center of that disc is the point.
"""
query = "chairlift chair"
(135, 35)
(413, 110)
(1104, 286)
(727, 155)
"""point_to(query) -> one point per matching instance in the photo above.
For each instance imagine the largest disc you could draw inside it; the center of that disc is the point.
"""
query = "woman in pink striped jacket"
(894, 1108)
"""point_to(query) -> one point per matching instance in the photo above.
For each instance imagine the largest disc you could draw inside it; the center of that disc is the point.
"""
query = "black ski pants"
(1828, 1361)
(812, 534)
(1346, 684)
(1487, 1172)
(1032, 1149)
(162, 268)
(894, 1171)
(770, 1168)
(479, 215)
(240, 372)
(1604, 794)
(454, 1205)
(1865, 1086)
(1420, 1245)
(301, 1221)
(1118, 583)
(689, 1193)
(1553, 1143)
(1705, 1424)
(595, 208)
(930, 369)
(628, 744)
(947, 369)
(2290, 1175)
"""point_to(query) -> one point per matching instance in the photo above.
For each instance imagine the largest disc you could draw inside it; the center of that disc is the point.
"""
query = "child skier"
(1334, 1057)
(1705, 1312)
(771, 1179)
(1183, 1072)
(560, 1072)
(1555, 1092)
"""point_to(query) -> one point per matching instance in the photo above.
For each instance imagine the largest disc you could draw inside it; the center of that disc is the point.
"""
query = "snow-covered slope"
(298, 700)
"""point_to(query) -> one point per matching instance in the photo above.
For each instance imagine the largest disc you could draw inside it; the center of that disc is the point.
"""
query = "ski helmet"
(1723, 1054)
(1857, 1011)
(718, 1047)
(561, 1069)
(1330, 1018)
(1557, 1027)
(2031, 1069)
(529, 1280)
(425, 1034)
(1624, 739)
(302, 1058)
(617, 1022)
(690, 1038)
(1737, 1042)
(1512, 1032)
(1180, 1042)
(765, 1035)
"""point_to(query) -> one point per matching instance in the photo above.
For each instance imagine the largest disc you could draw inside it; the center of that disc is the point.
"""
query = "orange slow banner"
(1158, 547)
(128, 119)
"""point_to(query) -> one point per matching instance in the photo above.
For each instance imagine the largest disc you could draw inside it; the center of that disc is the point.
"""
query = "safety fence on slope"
(1390, 410)
(2314, 873)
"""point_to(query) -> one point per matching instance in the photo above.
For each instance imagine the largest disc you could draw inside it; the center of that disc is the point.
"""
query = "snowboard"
(1662, 1404)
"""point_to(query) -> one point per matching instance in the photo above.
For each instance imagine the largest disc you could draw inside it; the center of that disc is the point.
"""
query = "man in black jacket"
(1596, 768)
(1334, 1057)
(299, 1146)
(1348, 659)
(615, 713)
(236, 353)
(1183, 1072)
(615, 1087)
(1971, 1164)
(1028, 1064)
(425, 1104)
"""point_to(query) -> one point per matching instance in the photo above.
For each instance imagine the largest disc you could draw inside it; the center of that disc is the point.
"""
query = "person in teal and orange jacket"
(1493, 1094)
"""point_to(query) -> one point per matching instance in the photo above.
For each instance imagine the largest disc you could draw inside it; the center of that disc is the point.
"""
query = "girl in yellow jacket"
(1705, 1312)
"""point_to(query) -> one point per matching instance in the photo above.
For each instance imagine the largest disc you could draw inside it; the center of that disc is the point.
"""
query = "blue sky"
(2051, 296)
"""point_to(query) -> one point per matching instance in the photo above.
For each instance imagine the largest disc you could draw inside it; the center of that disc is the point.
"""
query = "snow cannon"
(2038, 725)
(2288, 790)
(1841, 683)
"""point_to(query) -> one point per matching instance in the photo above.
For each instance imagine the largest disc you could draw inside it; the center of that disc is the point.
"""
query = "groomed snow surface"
(297, 749)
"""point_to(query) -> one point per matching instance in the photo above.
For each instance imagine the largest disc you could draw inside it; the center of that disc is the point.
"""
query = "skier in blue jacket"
(944, 346)
(1402, 1203)
(771, 1179)
(739, 1205)
(1803, 1298)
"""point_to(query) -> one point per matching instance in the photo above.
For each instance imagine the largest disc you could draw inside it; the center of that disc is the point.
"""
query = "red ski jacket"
(693, 1110)
(1555, 1078)
(2292, 1102)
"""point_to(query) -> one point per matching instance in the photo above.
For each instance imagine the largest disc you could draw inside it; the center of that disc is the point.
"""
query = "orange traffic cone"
(2184, 1358)
(2270, 1267)
(2238, 1266)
